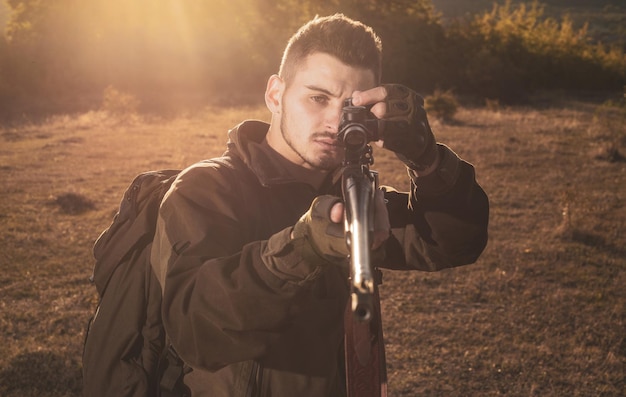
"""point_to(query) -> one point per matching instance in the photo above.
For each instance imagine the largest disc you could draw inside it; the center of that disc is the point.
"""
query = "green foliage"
(442, 105)
(57, 56)
(519, 47)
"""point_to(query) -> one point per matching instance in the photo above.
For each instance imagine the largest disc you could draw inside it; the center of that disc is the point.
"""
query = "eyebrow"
(320, 89)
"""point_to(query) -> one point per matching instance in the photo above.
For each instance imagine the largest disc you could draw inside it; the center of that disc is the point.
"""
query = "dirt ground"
(542, 312)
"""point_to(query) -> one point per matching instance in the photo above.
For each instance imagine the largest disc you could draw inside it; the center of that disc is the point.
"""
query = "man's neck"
(312, 177)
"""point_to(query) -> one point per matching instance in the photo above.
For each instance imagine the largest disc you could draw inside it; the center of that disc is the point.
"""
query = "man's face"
(309, 108)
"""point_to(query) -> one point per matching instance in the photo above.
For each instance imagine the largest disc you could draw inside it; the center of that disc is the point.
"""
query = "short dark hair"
(350, 41)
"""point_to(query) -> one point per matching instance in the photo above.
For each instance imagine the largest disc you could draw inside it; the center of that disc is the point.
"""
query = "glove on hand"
(407, 132)
(323, 238)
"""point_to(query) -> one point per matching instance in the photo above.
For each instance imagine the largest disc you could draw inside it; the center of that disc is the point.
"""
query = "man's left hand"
(405, 130)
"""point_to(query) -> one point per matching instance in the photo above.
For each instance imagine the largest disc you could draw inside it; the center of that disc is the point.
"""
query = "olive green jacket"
(241, 306)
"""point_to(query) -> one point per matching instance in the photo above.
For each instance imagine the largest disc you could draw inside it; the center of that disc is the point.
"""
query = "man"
(253, 291)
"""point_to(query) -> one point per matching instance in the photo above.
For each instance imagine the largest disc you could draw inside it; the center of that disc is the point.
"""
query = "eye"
(321, 99)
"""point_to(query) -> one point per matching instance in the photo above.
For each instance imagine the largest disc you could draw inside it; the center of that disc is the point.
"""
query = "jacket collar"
(246, 141)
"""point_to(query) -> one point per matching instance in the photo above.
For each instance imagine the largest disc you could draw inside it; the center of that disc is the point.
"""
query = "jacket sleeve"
(216, 287)
(442, 222)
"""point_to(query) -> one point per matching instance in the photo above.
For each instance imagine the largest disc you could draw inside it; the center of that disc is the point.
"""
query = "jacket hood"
(245, 141)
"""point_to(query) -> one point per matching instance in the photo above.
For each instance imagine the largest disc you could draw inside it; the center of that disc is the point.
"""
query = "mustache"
(326, 135)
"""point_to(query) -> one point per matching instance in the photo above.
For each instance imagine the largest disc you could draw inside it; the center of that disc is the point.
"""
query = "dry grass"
(541, 314)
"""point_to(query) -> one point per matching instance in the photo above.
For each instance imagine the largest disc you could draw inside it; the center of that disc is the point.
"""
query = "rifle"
(365, 355)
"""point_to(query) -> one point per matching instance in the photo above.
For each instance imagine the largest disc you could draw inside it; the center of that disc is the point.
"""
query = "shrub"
(610, 124)
(118, 103)
(509, 52)
(74, 203)
(441, 104)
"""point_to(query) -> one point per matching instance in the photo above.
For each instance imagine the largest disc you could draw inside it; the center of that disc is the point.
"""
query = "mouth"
(328, 142)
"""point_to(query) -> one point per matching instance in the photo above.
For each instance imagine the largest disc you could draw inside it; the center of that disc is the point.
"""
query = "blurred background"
(68, 56)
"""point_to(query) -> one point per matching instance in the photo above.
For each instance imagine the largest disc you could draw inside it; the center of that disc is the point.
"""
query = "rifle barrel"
(358, 195)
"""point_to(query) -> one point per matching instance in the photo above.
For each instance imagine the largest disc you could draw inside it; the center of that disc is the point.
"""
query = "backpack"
(125, 352)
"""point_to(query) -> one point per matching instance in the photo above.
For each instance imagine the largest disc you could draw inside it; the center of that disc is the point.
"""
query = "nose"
(332, 118)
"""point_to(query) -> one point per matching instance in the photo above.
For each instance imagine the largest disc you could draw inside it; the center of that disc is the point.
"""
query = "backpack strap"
(172, 369)
(132, 226)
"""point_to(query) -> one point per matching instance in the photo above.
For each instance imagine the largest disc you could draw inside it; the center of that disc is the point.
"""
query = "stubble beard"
(326, 163)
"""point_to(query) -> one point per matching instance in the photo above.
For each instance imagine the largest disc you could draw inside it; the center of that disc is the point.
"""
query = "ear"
(274, 93)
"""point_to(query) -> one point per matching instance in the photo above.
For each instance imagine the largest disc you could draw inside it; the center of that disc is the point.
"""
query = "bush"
(56, 57)
(510, 52)
(74, 203)
(118, 103)
(442, 105)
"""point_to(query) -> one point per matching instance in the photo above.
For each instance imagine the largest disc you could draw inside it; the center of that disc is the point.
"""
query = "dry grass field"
(542, 313)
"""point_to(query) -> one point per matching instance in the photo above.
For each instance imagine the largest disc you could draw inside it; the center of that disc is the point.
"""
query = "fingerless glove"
(324, 238)
(407, 132)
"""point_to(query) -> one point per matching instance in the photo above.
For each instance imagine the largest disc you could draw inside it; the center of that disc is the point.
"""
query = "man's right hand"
(322, 228)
